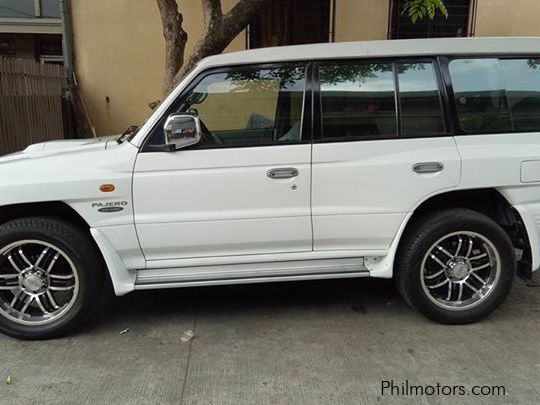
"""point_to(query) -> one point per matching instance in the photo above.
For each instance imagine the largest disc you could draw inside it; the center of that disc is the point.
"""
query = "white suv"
(417, 160)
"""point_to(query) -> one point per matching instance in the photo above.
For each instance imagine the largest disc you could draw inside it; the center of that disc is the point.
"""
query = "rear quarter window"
(496, 95)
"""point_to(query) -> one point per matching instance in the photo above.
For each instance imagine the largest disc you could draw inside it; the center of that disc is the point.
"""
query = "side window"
(247, 107)
(522, 79)
(357, 99)
(480, 95)
(497, 95)
(419, 100)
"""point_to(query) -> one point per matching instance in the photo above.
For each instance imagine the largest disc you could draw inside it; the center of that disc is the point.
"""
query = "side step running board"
(251, 273)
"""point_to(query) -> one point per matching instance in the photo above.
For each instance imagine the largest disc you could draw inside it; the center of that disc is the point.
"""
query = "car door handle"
(427, 167)
(282, 173)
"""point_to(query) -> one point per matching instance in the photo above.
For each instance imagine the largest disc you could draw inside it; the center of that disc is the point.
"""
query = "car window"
(357, 99)
(522, 80)
(480, 95)
(496, 95)
(420, 102)
(247, 107)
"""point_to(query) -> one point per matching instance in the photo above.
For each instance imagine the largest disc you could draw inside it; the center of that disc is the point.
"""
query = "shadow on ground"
(352, 294)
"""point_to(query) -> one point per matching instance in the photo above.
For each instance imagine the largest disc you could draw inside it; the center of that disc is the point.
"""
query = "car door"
(245, 188)
(382, 147)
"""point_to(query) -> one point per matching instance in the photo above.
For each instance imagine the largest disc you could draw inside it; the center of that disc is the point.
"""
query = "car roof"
(381, 49)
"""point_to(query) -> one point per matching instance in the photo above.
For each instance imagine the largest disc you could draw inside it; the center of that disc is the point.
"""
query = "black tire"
(78, 246)
(420, 239)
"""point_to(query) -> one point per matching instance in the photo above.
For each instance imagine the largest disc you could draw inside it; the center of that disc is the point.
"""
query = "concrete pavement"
(296, 343)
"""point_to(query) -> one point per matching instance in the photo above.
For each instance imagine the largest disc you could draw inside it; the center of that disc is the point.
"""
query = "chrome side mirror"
(182, 130)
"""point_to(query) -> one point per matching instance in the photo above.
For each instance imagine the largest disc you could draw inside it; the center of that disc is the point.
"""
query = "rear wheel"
(50, 277)
(455, 266)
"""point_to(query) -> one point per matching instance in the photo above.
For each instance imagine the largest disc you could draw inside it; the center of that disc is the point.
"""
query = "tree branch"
(219, 30)
(175, 40)
(212, 12)
(241, 15)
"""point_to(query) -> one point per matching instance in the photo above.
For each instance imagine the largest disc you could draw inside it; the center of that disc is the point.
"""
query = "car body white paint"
(216, 212)
(362, 191)
(230, 196)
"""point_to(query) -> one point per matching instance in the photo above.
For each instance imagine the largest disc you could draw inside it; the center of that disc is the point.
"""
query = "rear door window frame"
(443, 95)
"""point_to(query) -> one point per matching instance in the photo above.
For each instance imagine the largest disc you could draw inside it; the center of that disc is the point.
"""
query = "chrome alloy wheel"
(460, 270)
(38, 282)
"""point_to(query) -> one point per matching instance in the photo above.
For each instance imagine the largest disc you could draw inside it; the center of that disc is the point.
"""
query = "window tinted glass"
(290, 22)
(357, 100)
(50, 8)
(247, 107)
(497, 94)
(522, 79)
(420, 103)
(17, 8)
(480, 95)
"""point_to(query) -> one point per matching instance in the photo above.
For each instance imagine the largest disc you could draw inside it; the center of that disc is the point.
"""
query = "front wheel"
(455, 266)
(50, 277)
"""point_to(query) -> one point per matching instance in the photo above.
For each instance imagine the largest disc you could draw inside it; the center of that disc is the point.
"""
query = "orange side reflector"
(107, 188)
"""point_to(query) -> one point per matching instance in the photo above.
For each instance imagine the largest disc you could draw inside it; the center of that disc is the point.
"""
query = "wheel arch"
(55, 209)
(488, 201)
(58, 210)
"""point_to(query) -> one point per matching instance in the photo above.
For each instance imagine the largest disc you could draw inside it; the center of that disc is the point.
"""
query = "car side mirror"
(182, 130)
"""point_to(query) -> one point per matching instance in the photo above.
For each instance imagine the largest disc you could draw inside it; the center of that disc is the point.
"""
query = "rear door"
(382, 145)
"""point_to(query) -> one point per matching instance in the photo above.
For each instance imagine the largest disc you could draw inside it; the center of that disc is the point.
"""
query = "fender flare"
(382, 267)
(123, 280)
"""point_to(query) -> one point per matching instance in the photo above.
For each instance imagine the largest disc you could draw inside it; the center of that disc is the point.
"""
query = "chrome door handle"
(282, 173)
(427, 167)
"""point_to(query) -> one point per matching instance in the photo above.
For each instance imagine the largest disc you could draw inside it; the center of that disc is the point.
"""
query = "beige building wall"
(501, 18)
(361, 20)
(119, 56)
(119, 46)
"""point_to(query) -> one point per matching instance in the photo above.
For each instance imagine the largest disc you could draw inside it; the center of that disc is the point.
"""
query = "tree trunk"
(175, 40)
(218, 32)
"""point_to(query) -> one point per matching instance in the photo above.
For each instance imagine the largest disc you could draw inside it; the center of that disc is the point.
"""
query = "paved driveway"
(296, 343)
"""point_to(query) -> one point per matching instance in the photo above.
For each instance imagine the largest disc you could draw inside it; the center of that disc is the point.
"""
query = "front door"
(245, 188)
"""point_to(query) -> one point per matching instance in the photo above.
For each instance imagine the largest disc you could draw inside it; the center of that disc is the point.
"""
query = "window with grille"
(291, 22)
(456, 25)
(30, 8)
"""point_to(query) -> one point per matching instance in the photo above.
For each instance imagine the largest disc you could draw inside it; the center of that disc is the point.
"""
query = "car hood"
(64, 146)
(69, 171)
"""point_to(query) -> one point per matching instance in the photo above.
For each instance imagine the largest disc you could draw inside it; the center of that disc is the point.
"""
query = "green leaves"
(418, 9)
